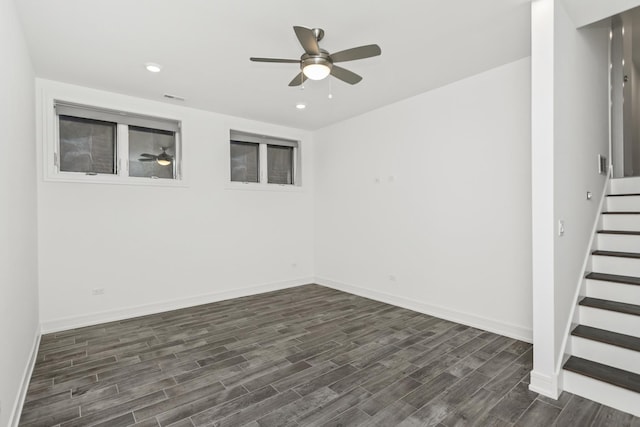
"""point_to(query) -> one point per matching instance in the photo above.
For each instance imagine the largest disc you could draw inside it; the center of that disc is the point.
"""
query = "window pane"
(280, 164)
(244, 161)
(87, 145)
(152, 152)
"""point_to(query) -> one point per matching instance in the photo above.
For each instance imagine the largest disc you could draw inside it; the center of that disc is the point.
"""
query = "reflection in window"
(151, 152)
(244, 161)
(280, 164)
(87, 145)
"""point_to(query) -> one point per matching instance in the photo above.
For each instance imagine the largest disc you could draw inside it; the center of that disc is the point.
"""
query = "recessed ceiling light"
(152, 67)
(301, 105)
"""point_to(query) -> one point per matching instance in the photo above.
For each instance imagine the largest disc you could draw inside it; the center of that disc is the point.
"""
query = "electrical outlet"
(97, 291)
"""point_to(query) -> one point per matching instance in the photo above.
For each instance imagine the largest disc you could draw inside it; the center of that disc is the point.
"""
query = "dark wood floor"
(303, 356)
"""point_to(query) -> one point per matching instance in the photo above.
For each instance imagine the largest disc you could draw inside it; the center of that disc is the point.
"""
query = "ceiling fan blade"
(298, 80)
(307, 40)
(360, 52)
(146, 159)
(345, 75)
(286, 61)
(148, 155)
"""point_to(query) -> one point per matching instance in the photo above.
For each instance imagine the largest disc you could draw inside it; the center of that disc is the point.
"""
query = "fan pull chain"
(330, 90)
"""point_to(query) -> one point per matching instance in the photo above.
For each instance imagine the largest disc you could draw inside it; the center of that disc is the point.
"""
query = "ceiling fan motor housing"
(322, 58)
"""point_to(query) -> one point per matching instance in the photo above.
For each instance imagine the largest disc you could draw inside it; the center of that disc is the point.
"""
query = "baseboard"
(545, 384)
(491, 325)
(16, 411)
(159, 307)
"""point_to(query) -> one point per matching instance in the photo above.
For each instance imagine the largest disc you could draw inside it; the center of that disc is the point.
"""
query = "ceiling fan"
(162, 159)
(317, 63)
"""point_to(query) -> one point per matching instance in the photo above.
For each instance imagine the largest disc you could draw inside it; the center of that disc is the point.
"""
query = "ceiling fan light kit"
(163, 159)
(316, 67)
(317, 64)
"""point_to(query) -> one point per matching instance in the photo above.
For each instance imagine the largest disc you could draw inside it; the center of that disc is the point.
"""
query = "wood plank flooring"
(307, 356)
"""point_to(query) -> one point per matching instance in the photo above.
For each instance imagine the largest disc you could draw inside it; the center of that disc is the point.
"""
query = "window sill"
(251, 186)
(115, 180)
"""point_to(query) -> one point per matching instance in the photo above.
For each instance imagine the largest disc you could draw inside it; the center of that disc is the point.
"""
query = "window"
(93, 141)
(263, 159)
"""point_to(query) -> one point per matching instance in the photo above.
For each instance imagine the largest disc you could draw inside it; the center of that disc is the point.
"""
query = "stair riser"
(607, 394)
(623, 204)
(620, 243)
(621, 222)
(606, 354)
(610, 320)
(616, 265)
(625, 185)
(611, 291)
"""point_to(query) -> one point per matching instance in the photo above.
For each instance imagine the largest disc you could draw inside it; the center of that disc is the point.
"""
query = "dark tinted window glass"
(244, 161)
(87, 145)
(280, 164)
(152, 152)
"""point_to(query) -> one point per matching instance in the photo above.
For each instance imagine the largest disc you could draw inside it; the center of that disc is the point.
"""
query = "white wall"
(581, 132)
(18, 263)
(446, 230)
(570, 125)
(155, 248)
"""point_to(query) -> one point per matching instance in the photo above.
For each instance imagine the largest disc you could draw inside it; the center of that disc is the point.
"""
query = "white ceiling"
(205, 45)
(584, 12)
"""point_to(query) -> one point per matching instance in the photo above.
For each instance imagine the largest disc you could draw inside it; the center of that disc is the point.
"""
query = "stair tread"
(620, 340)
(623, 194)
(604, 304)
(634, 233)
(629, 280)
(617, 254)
(608, 374)
(621, 213)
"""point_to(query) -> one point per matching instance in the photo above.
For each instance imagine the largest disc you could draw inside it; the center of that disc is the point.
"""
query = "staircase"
(605, 346)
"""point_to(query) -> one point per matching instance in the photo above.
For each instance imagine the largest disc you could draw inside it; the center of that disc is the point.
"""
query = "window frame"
(263, 142)
(51, 152)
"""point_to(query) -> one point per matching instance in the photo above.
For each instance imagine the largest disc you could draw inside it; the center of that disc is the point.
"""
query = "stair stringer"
(581, 285)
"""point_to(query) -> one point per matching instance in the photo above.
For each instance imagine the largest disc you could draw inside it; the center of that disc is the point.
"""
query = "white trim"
(63, 324)
(491, 325)
(581, 285)
(544, 384)
(16, 411)
(80, 178)
(543, 221)
(255, 186)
